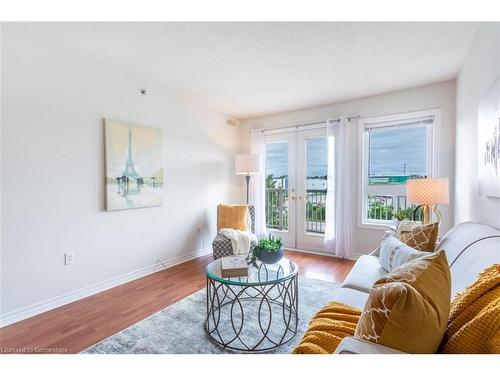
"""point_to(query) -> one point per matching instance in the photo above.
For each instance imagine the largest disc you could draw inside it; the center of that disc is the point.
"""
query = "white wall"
(441, 95)
(480, 69)
(1, 174)
(53, 173)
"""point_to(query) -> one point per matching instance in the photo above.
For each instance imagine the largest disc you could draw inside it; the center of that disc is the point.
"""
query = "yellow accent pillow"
(408, 308)
(327, 329)
(232, 216)
(474, 323)
(421, 238)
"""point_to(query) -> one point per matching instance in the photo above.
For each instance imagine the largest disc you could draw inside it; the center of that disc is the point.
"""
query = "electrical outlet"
(69, 258)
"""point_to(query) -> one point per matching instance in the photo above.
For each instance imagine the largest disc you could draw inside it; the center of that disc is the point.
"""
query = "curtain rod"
(349, 118)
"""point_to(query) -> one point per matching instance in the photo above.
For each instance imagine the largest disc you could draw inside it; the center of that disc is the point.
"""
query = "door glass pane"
(316, 184)
(277, 185)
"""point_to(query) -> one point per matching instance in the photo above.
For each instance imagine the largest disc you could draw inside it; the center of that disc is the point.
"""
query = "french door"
(296, 185)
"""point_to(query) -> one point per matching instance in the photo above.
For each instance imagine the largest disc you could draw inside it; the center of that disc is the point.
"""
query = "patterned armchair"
(221, 245)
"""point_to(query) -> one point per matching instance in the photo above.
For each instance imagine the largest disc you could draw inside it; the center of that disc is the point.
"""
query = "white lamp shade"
(247, 164)
(430, 191)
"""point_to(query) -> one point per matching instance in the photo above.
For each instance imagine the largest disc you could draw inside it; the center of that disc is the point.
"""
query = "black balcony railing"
(277, 209)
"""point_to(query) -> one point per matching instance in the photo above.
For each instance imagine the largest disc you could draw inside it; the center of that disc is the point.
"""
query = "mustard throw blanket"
(327, 328)
(474, 323)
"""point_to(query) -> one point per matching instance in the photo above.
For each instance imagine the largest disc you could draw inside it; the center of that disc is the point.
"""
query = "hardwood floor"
(76, 326)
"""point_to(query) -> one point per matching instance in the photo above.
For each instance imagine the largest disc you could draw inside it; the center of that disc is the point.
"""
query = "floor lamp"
(428, 193)
(247, 164)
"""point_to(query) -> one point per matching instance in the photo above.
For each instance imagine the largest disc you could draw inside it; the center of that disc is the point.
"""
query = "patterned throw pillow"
(394, 253)
(421, 238)
(408, 308)
(407, 226)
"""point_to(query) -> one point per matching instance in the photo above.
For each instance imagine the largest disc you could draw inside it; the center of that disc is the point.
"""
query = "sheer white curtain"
(330, 193)
(258, 183)
(339, 211)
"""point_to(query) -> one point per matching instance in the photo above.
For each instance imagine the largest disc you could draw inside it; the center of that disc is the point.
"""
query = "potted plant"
(401, 215)
(269, 250)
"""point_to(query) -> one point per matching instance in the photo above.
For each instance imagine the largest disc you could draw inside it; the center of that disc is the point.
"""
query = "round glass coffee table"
(255, 313)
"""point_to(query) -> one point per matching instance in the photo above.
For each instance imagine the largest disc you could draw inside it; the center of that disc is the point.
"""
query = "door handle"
(300, 197)
(293, 198)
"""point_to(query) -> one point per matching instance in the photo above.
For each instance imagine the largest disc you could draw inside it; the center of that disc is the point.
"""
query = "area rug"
(179, 328)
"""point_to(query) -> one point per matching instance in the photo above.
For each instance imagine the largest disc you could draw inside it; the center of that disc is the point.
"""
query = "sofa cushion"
(365, 272)
(463, 235)
(421, 238)
(407, 226)
(233, 216)
(475, 258)
(394, 253)
(408, 309)
(352, 297)
(470, 248)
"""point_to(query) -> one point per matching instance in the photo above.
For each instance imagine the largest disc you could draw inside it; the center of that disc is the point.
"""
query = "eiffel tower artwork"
(134, 172)
(129, 170)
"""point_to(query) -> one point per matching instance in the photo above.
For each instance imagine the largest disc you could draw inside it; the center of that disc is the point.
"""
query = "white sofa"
(469, 247)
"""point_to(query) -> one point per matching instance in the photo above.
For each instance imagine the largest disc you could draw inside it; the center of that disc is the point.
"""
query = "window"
(394, 149)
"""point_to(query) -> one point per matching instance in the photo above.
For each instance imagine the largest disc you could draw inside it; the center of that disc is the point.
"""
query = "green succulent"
(402, 214)
(269, 244)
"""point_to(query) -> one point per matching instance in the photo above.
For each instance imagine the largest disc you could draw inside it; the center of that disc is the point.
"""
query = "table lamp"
(247, 164)
(428, 193)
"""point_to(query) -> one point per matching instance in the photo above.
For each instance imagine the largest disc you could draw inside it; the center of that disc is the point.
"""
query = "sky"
(277, 159)
(390, 149)
(316, 158)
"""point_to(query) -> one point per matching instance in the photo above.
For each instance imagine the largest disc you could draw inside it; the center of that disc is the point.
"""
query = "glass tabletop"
(262, 274)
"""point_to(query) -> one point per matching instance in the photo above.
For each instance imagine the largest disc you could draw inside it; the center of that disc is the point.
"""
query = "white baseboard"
(52, 303)
(314, 252)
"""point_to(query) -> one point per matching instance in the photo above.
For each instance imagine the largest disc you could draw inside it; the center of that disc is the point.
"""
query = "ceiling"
(251, 69)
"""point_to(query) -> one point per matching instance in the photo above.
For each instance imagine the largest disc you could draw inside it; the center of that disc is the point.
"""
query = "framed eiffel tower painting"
(134, 165)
